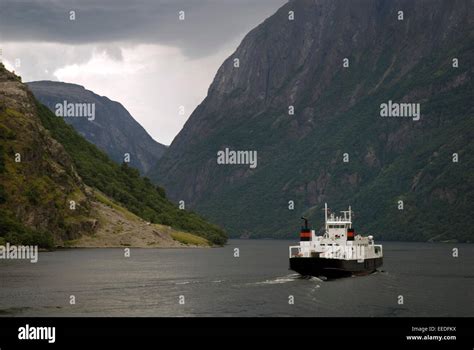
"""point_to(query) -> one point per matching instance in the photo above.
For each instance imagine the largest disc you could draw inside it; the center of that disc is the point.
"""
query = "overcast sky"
(136, 52)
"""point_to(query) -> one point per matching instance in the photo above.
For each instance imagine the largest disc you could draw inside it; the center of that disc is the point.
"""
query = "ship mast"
(326, 216)
(350, 217)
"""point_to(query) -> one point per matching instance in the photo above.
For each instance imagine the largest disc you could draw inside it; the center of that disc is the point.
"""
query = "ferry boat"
(339, 252)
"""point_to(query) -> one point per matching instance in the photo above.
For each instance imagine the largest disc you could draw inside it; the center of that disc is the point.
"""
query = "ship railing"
(294, 251)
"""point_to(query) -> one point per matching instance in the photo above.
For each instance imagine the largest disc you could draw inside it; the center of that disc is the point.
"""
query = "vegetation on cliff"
(123, 183)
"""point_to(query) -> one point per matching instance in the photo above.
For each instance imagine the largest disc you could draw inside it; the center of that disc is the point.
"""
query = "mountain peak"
(54, 84)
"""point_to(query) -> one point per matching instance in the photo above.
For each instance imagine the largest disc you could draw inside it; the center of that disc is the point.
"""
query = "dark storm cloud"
(208, 25)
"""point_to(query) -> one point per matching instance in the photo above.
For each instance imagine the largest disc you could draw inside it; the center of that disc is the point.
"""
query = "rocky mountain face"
(58, 189)
(38, 178)
(308, 96)
(112, 128)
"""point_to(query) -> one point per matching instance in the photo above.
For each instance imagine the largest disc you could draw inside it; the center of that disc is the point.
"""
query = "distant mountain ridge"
(335, 65)
(113, 129)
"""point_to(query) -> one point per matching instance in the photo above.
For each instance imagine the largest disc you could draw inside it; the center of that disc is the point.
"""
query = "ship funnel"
(305, 233)
(350, 234)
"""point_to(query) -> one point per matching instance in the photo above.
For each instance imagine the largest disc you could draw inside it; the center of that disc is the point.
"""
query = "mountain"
(406, 179)
(112, 128)
(57, 189)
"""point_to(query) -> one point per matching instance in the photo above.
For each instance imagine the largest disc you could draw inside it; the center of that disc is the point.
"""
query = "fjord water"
(215, 283)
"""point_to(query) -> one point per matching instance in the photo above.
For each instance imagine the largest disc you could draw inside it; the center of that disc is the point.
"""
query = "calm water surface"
(215, 283)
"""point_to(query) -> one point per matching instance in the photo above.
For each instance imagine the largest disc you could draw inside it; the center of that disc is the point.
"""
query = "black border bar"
(356, 332)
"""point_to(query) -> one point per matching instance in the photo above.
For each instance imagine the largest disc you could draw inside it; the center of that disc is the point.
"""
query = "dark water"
(215, 283)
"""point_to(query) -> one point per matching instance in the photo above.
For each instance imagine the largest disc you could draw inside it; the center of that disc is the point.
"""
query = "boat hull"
(333, 268)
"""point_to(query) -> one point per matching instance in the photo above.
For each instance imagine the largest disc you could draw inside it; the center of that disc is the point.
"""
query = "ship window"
(336, 226)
